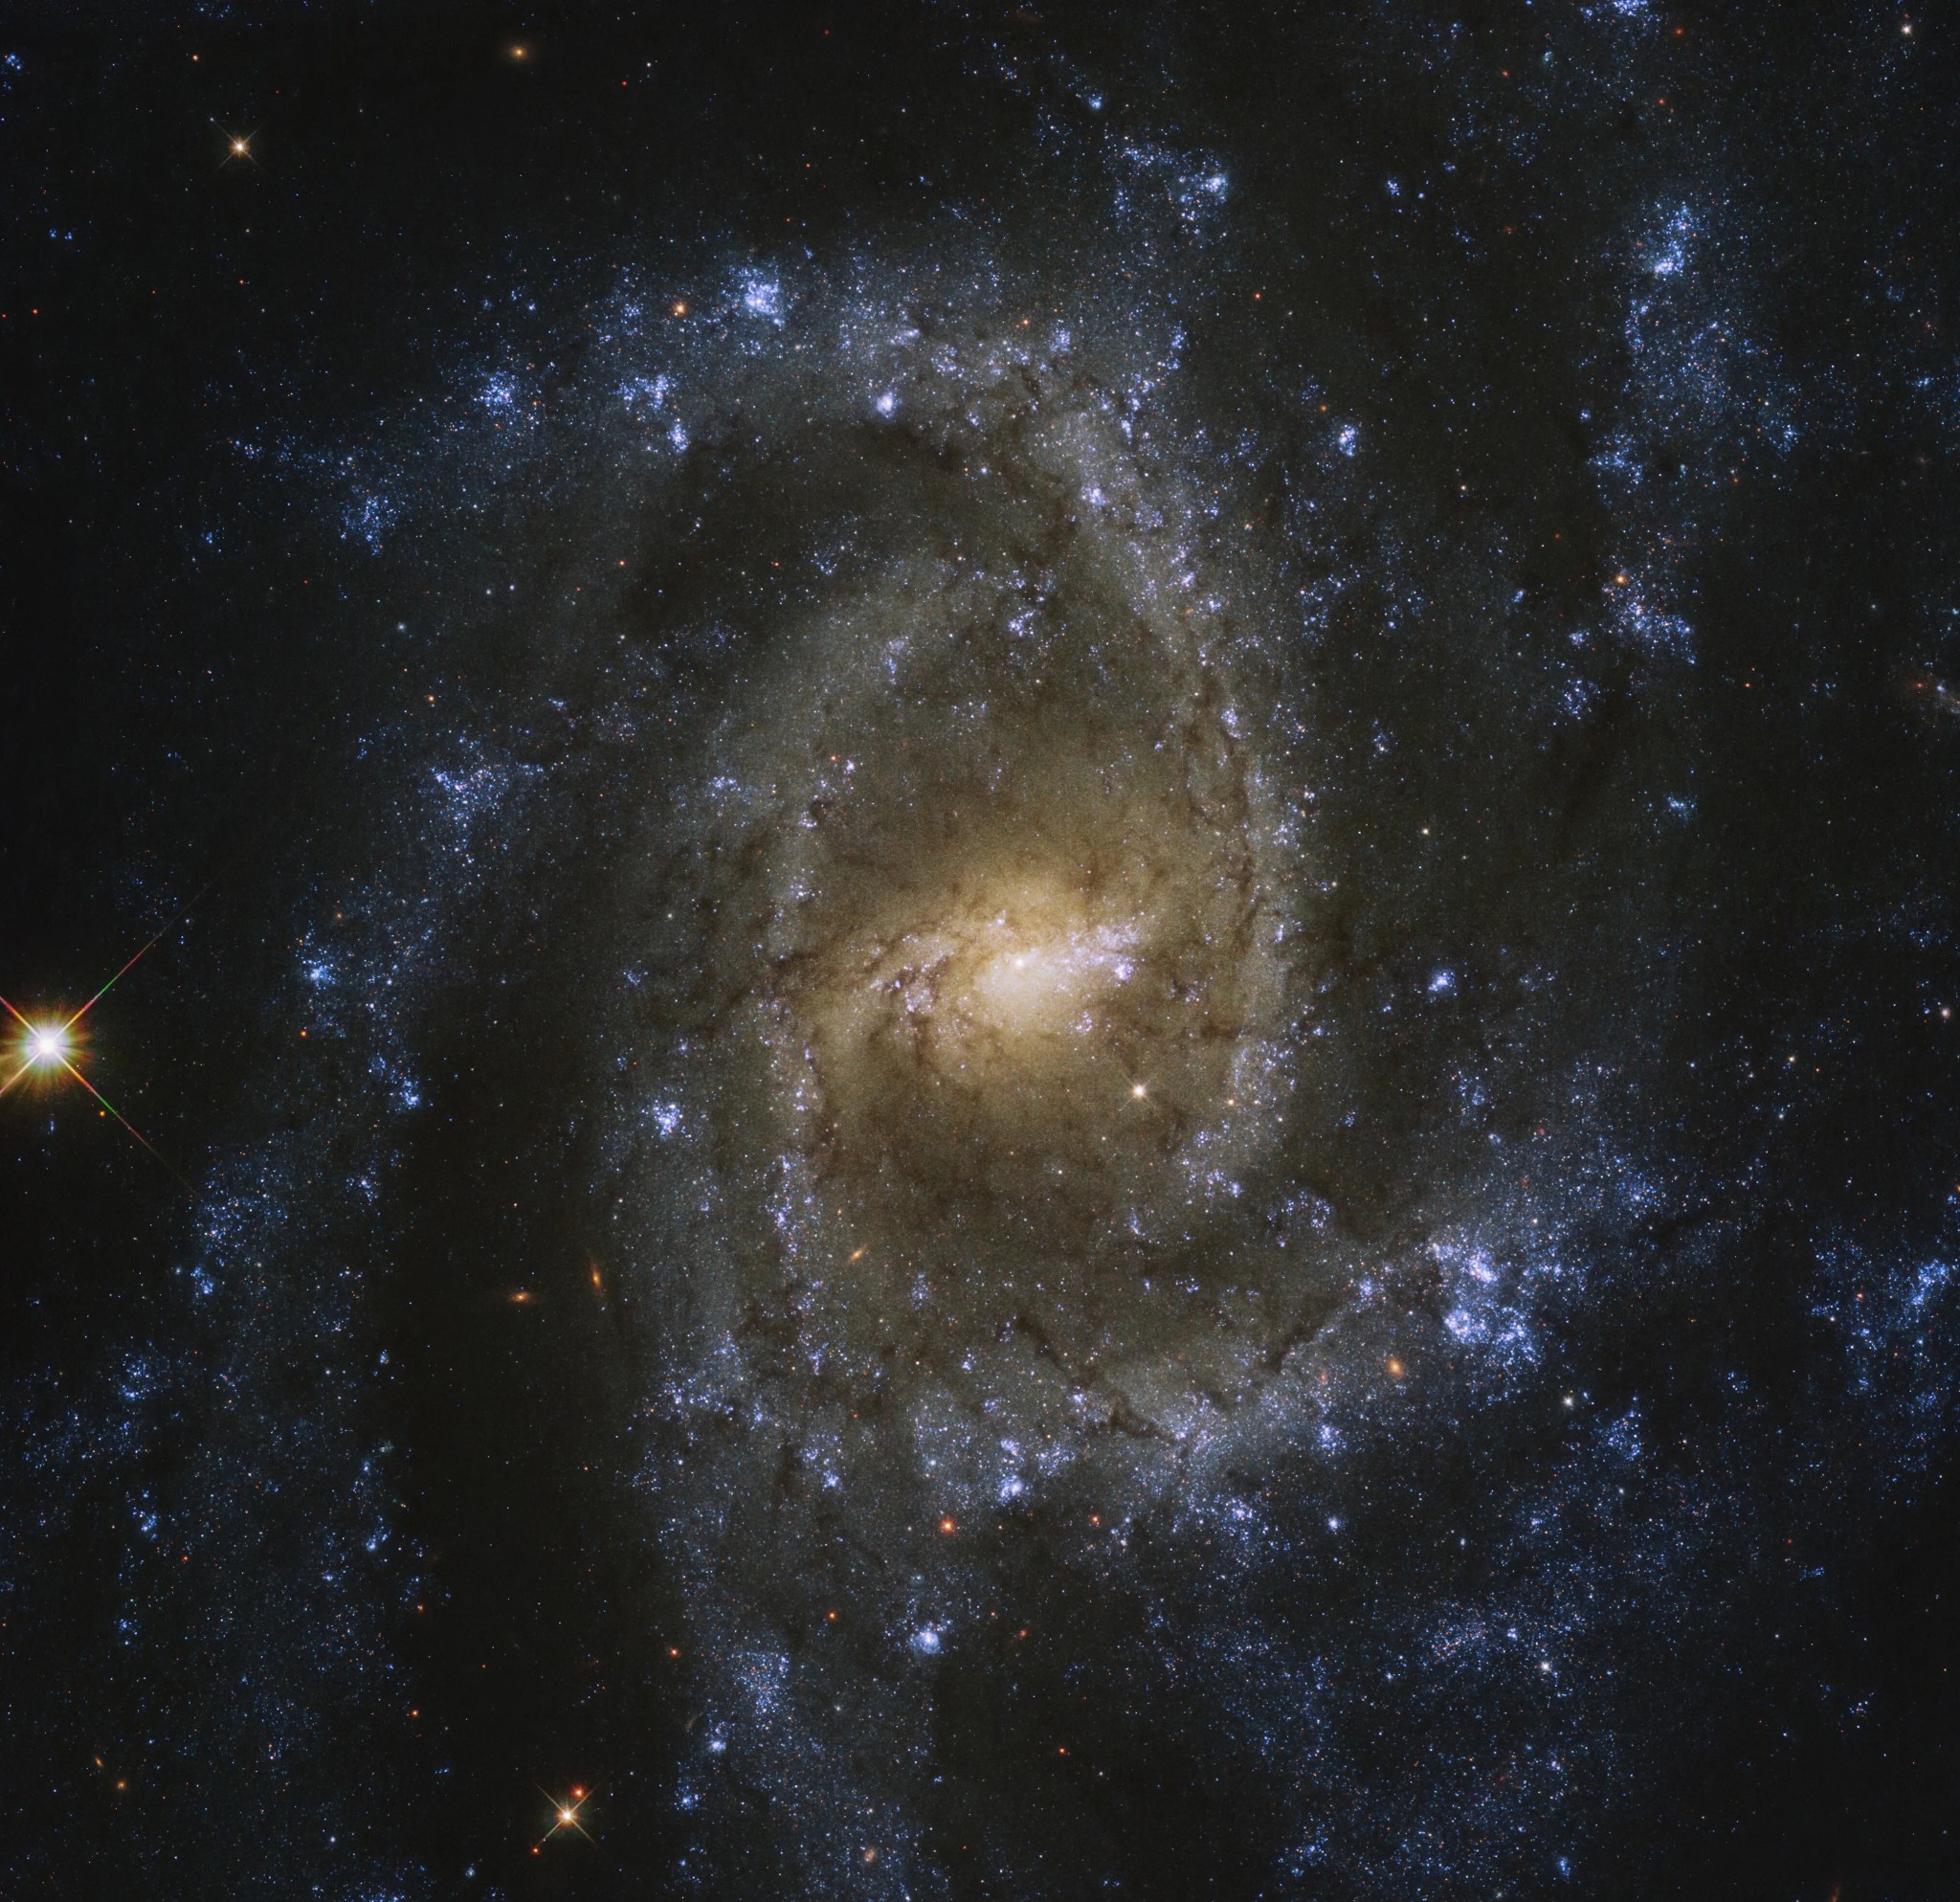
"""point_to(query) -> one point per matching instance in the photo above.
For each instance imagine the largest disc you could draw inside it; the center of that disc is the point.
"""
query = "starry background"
(426, 534)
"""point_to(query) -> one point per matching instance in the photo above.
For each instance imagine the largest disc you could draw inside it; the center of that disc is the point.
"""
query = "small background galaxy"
(1058, 952)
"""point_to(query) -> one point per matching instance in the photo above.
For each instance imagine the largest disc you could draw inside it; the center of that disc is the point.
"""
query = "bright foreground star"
(567, 1812)
(54, 1047)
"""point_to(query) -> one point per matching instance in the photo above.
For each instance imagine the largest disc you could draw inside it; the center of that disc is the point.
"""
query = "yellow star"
(565, 1811)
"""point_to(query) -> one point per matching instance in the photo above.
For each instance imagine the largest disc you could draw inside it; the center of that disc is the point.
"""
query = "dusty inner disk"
(1028, 949)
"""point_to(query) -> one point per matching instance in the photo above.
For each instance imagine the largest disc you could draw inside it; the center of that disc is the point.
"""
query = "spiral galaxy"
(1068, 1018)
(1060, 1082)
(1126, 992)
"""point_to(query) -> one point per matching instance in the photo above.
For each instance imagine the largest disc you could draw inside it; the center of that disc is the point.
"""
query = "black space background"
(159, 727)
